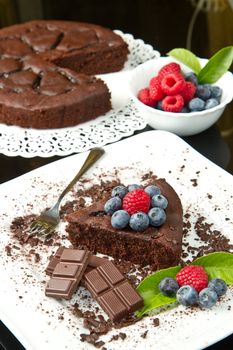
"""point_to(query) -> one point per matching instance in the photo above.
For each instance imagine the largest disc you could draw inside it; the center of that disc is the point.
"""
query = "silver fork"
(46, 222)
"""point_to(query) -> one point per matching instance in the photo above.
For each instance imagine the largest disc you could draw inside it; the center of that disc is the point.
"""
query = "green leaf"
(219, 264)
(187, 57)
(149, 290)
(216, 66)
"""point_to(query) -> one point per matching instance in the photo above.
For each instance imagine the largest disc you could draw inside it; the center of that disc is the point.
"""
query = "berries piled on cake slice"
(173, 91)
(136, 207)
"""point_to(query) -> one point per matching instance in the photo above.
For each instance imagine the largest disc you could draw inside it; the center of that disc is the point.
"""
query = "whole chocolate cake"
(91, 228)
(52, 91)
(39, 94)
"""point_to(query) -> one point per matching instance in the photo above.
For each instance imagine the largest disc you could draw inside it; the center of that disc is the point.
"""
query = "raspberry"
(172, 67)
(173, 103)
(172, 84)
(135, 201)
(188, 92)
(156, 92)
(144, 97)
(194, 276)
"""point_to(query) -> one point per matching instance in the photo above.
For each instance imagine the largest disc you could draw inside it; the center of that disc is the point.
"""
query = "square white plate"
(44, 323)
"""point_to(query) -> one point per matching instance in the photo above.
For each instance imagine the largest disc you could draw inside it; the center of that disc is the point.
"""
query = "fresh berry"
(187, 296)
(196, 104)
(144, 97)
(172, 67)
(168, 286)
(157, 216)
(184, 110)
(172, 84)
(192, 77)
(216, 92)
(120, 219)
(159, 106)
(152, 190)
(119, 191)
(173, 103)
(139, 221)
(207, 298)
(156, 92)
(218, 285)
(193, 275)
(203, 91)
(112, 205)
(188, 91)
(135, 201)
(211, 102)
(133, 187)
(160, 201)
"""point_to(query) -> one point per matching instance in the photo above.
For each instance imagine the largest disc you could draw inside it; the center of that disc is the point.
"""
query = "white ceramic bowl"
(182, 124)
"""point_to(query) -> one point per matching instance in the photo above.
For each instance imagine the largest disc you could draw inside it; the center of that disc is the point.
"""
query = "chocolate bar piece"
(112, 291)
(54, 261)
(93, 261)
(67, 271)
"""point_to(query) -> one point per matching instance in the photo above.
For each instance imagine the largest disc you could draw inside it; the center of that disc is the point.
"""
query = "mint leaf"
(216, 66)
(219, 264)
(187, 57)
(149, 290)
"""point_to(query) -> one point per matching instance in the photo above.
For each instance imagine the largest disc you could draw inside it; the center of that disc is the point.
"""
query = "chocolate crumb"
(144, 335)
(194, 182)
(156, 322)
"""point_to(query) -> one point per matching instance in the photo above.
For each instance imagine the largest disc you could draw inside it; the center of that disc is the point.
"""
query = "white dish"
(44, 323)
(182, 124)
(119, 122)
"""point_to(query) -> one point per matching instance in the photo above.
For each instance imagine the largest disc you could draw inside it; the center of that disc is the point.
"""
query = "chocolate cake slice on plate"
(160, 247)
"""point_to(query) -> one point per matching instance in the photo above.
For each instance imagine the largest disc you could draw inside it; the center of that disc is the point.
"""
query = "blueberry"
(152, 190)
(159, 201)
(159, 105)
(218, 285)
(196, 104)
(211, 102)
(187, 296)
(157, 216)
(120, 219)
(184, 110)
(112, 205)
(216, 92)
(168, 286)
(207, 298)
(139, 221)
(203, 91)
(192, 78)
(133, 187)
(119, 191)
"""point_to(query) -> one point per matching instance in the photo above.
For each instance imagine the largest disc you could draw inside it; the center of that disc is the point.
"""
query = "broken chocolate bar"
(112, 291)
(54, 261)
(67, 271)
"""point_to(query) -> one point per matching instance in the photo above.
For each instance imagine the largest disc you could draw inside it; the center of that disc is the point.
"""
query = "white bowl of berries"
(169, 96)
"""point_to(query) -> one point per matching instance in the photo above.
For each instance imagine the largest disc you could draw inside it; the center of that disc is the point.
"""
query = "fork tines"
(41, 228)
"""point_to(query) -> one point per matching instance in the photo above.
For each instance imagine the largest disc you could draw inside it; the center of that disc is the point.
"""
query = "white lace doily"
(121, 121)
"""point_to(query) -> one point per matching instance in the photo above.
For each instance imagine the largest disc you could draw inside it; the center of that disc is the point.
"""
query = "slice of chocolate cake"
(160, 247)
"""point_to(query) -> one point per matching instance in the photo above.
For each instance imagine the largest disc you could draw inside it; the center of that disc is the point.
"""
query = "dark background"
(162, 23)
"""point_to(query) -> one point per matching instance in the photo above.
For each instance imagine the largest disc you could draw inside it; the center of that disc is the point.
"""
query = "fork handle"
(92, 157)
